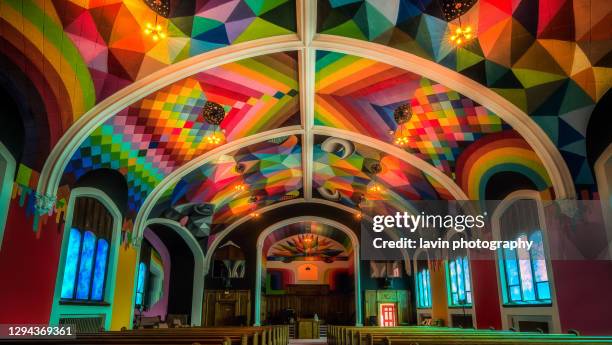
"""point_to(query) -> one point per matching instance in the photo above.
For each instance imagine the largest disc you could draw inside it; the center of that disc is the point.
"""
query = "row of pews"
(265, 335)
(424, 335)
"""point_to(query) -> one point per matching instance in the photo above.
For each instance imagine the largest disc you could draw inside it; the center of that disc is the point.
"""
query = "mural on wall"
(307, 247)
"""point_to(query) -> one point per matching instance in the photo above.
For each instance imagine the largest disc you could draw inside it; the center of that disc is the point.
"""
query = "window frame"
(449, 293)
(421, 267)
(68, 308)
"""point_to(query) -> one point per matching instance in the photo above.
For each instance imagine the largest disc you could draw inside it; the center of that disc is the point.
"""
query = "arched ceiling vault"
(306, 42)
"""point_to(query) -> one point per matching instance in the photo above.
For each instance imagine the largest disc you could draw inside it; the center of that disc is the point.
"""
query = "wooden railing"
(265, 335)
(421, 335)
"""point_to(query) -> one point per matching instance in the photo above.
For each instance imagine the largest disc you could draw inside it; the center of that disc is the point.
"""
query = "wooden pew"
(411, 335)
(266, 335)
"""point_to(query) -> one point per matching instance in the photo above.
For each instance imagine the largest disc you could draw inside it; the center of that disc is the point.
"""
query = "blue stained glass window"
(72, 259)
(459, 285)
(86, 265)
(142, 272)
(424, 288)
(524, 272)
(97, 289)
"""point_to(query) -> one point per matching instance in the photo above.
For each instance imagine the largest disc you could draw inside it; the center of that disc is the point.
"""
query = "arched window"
(458, 279)
(141, 283)
(523, 272)
(423, 285)
(7, 175)
(87, 254)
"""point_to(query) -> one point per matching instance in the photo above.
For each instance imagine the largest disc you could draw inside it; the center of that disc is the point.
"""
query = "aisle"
(307, 341)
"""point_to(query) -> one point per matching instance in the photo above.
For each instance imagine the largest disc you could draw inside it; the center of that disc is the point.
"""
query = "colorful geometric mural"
(243, 181)
(551, 57)
(397, 182)
(110, 34)
(308, 228)
(361, 95)
(307, 247)
(80, 52)
(153, 137)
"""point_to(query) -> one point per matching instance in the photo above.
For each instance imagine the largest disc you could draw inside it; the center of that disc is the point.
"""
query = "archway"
(279, 225)
(197, 287)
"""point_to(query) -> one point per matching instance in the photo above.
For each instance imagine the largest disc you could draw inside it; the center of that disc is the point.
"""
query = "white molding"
(398, 152)
(59, 157)
(151, 199)
(508, 312)
(197, 296)
(534, 135)
(306, 17)
(605, 191)
(8, 166)
(270, 229)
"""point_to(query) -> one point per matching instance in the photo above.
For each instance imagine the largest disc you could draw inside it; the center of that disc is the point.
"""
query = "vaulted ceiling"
(309, 90)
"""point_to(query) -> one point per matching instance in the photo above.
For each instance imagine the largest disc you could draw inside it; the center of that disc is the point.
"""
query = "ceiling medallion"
(402, 116)
(213, 113)
(403, 113)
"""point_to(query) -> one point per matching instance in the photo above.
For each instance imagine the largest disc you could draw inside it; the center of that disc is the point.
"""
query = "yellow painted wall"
(439, 301)
(124, 289)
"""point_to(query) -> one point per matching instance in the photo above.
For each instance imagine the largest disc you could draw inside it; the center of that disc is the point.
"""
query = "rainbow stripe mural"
(501, 152)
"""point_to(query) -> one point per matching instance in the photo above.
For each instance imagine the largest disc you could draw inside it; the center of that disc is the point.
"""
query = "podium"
(308, 329)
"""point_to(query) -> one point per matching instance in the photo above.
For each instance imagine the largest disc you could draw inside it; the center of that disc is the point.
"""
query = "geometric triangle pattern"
(270, 172)
(109, 34)
(550, 64)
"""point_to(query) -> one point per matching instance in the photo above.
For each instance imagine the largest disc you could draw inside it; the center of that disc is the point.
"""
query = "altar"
(308, 329)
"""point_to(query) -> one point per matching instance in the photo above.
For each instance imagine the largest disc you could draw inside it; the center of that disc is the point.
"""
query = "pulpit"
(308, 329)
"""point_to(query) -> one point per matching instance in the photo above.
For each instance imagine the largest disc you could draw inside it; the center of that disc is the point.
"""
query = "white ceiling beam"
(306, 30)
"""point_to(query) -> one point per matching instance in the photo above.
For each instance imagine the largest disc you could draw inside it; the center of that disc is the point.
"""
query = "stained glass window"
(87, 252)
(140, 284)
(459, 284)
(423, 288)
(524, 272)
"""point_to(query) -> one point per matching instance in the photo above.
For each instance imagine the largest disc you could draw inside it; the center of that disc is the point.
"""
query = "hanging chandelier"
(453, 10)
(402, 116)
(161, 8)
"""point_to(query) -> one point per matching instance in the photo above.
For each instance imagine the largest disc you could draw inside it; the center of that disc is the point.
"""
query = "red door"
(387, 315)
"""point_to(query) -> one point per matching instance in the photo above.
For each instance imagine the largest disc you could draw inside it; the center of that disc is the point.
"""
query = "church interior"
(199, 171)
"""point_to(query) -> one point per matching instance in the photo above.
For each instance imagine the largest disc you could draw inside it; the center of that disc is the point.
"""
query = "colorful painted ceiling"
(361, 95)
(307, 247)
(87, 50)
(155, 136)
(338, 238)
(243, 181)
(351, 172)
(549, 57)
